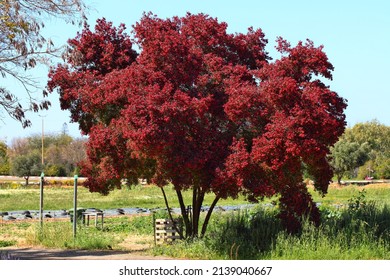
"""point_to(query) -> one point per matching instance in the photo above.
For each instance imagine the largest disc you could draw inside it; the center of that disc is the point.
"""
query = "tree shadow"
(246, 234)
(74, 254)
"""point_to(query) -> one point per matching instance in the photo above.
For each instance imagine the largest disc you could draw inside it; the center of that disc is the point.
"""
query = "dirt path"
(55, 254)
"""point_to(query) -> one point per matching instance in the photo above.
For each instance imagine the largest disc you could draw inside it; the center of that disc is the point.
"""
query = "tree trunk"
(26, 178)
(195, 214)
(197, 201)
(192, 225)
(184, 213)
(206, 221)
(339, 177)
(170, 215)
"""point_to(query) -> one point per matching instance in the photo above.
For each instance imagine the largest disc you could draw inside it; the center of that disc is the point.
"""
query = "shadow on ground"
(54, 254)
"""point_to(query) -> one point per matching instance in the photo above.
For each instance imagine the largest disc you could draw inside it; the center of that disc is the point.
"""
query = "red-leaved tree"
(204, 110)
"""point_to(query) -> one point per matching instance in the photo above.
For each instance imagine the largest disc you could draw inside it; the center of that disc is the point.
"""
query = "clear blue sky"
(355, 35)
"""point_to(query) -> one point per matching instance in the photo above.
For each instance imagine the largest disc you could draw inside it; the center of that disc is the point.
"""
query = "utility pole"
(65, 129)
(75, 207)
(43, 133)
(42, 180)
(43, 136)
(41, 199)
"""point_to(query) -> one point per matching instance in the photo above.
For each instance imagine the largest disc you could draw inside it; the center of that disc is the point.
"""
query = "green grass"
(138, 225)
(360, 230)
(380, 194)
(7, 243)
(257, 234)
(56, 198)
(354, 234)
(348, 234)
(60, 235)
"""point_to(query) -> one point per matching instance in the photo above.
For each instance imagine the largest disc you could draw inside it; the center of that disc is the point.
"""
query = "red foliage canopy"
(202, 109)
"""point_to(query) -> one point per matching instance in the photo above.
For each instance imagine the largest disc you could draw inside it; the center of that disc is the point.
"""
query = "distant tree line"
(23, 157)
(363, 151)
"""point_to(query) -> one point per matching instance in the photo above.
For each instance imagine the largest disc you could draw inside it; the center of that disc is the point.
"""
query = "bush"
(55, 170)
(7, 243)
(383, 169)
(9, 185)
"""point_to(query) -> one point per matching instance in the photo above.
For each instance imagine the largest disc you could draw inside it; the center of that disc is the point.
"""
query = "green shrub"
(55, 170)
(383, 169)
(11, 185)
(7, 243)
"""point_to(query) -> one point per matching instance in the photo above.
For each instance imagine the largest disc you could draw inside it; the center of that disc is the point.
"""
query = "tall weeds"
(245, 234)
(60, 235)
(359, 232)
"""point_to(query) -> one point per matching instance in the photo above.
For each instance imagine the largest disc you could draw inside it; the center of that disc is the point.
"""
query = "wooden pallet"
(164, 230)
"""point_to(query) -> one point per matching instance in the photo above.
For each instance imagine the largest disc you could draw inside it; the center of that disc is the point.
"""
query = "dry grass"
(137, 243)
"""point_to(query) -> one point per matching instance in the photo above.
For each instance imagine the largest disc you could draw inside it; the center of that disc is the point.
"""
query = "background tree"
(26, 166)
(204, 110)
(4, 160)
(22, 46)
(377, 136)
(369, 145)
(346, 156)
(62, 153)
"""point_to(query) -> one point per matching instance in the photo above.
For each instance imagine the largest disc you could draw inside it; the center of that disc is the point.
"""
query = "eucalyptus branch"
(22, 46)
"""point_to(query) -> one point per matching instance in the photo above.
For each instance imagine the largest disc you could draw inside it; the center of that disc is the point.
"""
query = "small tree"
(363, 142)
(26, 166)
(204, 110)
(346, 156)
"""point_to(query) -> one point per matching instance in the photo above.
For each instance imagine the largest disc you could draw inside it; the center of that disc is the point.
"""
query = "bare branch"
(22, 46)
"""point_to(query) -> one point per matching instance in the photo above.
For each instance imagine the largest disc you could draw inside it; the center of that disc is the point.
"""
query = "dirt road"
(55, 254)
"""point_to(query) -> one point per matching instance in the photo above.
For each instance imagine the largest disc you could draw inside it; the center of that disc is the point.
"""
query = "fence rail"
(165, 230)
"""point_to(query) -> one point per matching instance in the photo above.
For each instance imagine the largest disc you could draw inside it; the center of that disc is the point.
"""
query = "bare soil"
(32, 253)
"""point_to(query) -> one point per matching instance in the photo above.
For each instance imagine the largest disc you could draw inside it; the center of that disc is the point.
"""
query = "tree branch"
(170, 214)
(206, 221)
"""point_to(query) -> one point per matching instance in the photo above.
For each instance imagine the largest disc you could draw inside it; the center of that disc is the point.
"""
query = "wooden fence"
(165, 231)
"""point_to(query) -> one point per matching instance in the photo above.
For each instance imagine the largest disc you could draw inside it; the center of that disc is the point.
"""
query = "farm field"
(56, 198)
(356, 225)
(17, 197)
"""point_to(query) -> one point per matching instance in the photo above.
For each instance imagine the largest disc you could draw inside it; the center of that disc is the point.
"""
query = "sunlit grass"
(257, 234)
(56, 198)
(60, 235)
(340, 195)
(346, 232)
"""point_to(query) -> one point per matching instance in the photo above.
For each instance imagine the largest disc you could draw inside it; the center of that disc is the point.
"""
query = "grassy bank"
(358, 229)
(347, 234)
